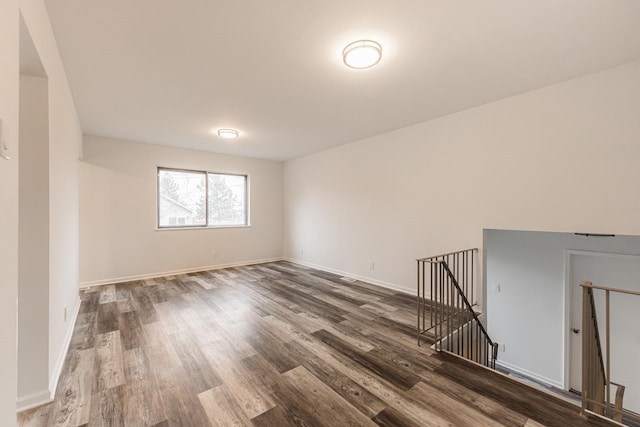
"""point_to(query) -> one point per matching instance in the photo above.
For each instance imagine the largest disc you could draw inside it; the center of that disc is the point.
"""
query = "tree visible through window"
(201, 199)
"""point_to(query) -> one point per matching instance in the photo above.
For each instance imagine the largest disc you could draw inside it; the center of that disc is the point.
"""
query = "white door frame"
(568, 253)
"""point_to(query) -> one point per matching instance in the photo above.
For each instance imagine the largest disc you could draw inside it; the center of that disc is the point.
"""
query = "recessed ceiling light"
(227, 133)
(362, 54)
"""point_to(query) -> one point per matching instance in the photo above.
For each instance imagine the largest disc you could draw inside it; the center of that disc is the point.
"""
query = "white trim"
(526, 373)
(566, 345)
(85, 285)
(43, 397)
(33, 400)
(381, 283)
(247, 197)
(202, 227)
(53, 380)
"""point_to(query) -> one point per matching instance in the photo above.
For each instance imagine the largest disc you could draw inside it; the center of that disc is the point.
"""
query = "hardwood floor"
(273, 345)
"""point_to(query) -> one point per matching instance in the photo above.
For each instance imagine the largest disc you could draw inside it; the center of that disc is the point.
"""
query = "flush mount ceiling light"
(227, 133)
(362, 54)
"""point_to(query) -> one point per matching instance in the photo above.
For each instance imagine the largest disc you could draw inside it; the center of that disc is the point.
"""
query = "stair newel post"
(419, 329)
(585, 347)
(608, 348)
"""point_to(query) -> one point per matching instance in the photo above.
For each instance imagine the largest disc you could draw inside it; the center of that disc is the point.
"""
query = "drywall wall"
(65, 139)
(9, 89)
(33, 278)
(119, 239)
(527, 314)
(562, 158)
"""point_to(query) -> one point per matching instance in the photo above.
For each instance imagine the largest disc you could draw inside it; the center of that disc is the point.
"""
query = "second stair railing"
(597, 358)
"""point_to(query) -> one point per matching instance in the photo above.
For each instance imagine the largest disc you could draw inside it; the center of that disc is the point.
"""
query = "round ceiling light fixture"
(227, 133)
(362, 54)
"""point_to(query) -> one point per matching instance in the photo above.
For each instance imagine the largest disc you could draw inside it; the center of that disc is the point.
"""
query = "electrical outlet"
(65, 313)
(503, 348)
(496, 288)
(372, 265)
(301, 251)
(214, 254)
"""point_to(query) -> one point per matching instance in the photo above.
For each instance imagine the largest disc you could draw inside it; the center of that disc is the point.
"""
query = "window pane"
(181, 198)
(227, 199)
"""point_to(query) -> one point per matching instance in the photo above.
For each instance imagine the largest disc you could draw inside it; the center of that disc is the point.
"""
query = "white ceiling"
(168, 72)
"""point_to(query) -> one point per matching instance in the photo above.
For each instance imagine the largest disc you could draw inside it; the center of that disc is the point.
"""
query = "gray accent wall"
(527, 312)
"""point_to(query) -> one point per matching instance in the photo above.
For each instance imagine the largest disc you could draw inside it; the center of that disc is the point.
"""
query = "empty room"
(246, 213)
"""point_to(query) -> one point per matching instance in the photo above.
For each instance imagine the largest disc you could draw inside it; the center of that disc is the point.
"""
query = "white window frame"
(206, 180)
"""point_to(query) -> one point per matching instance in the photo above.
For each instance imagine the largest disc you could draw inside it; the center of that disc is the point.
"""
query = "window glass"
(201, 199)
(227, 199)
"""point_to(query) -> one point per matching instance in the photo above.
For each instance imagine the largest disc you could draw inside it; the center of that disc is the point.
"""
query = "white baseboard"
(85, 285)
(43, 397)
(532, 375)
(371, 280)
(53, 381)
(33, 400)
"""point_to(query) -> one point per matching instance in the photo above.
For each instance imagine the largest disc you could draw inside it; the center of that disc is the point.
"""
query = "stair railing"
(446, 313)
(596, 366)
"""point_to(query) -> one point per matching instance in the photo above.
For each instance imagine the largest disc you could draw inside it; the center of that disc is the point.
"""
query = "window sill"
(215, 227)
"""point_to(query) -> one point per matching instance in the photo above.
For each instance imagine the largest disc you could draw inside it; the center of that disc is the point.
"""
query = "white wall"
(9, 89)
(65, 139)
(33, 276)
(118, 232)
(527, 315)
(556, 159)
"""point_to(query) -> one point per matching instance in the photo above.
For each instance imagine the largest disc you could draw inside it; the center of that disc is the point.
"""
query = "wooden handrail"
(605, 288)
(447, 254)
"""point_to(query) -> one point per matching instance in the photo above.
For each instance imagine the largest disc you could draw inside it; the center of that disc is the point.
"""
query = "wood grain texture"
(274, 344)
(73, 402)
(325, 403)
(222, 409)
(109, 361)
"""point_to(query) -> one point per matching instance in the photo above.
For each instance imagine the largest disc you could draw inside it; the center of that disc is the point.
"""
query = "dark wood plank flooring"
(273, 345)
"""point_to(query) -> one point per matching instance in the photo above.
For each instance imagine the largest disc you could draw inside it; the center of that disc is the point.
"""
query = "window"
(201, 199)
